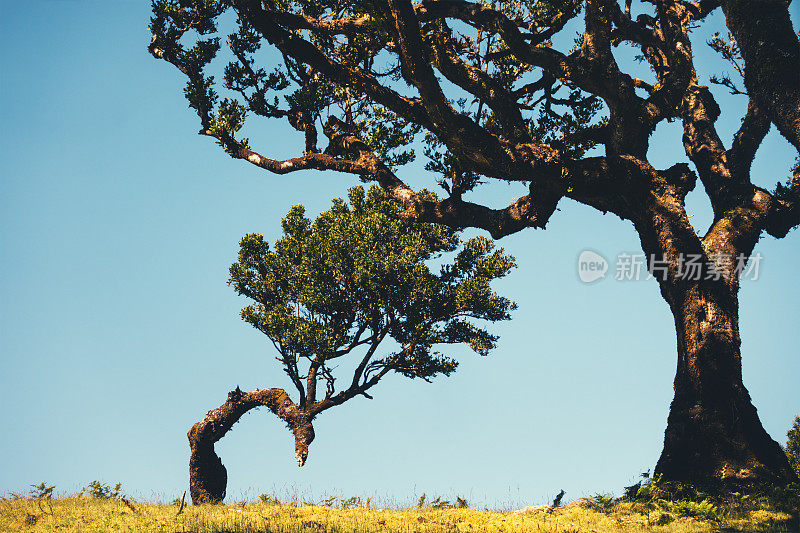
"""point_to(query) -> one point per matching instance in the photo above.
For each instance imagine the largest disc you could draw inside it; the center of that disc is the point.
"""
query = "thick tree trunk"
(714, 438)
(208, 478)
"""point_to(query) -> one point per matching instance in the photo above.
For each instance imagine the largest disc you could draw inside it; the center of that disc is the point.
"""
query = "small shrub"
(686, 508)
(328, 502)
(652, 489)
(785, 498)
(269, 499)
(603, 503)
(102, 491)
(643, 508)
(351, 502)
(439, 503)
(42, 491)
(663, 519)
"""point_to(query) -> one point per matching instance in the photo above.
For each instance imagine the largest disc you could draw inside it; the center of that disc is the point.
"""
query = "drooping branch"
(219, 421)
(207, 475)
(528, 211)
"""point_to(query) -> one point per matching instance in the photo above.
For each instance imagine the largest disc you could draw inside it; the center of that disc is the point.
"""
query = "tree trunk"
(714, 438)
(208, 478)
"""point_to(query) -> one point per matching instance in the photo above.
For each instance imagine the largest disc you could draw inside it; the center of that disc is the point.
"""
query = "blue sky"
(117, 330)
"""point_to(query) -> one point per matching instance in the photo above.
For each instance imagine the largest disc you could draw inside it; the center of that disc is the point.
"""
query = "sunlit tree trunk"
(713, 432)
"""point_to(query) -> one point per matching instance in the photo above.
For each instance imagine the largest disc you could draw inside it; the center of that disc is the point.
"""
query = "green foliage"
(728, 48)
(561, 129)
(42, 491)
(439, 503)
(355, 502)
(349, 503)
(671, 500)
(792, 447)
(454, 178)
(703, 509)
(188, 34)
(388, 135)
(603, 503)
(269, 499)
(102, 491)
(782, 497)
(359, 273)
(170, 21)
(421, 501)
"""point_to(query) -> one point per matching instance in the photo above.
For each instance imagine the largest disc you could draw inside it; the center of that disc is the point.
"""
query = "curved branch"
(533, 210)
(207, 475)
(755, 126)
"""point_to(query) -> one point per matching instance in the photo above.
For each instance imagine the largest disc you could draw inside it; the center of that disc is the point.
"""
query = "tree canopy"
(499, 90)
(358, 275)
(356, 285)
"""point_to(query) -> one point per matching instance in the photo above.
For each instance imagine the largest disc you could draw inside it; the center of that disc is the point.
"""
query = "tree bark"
(208, 477)
(714, 438)
(771, 51)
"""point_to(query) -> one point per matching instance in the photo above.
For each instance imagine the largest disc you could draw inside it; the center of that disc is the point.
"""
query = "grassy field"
(600, 514)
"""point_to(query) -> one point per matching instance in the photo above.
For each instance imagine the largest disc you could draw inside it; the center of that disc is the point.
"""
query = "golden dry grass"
(85, 514)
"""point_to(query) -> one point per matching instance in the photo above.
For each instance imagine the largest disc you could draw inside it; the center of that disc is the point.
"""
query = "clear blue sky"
(117, 330)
